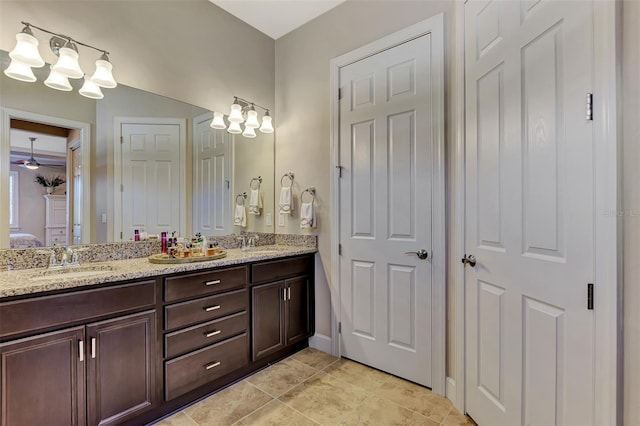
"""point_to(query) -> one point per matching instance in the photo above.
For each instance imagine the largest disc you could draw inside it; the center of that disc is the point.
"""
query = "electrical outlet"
(281, 220)
(267, 219)
(103, 218)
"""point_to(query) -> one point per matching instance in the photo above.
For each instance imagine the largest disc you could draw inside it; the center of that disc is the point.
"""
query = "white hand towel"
(286, 204)
(240, 217)
(307, 216)
(255, 202)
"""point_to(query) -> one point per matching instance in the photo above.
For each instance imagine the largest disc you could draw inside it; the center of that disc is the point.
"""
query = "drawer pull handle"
(212, 365)
(213, 333)
(212, 308)
(212, 282)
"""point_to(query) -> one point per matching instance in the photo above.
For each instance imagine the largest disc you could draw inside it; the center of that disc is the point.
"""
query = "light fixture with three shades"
(25, 55)
(243, 111)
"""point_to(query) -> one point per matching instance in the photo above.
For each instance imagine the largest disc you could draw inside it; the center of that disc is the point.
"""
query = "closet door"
(529, 212)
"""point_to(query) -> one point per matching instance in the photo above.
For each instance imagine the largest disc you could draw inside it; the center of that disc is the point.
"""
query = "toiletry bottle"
(136, 235)
(164, 242)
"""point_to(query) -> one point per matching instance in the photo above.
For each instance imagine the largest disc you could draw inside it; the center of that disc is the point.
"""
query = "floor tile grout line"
(189, 417)
(411, 409)
(268, 402)
(297, 411)
(445, 417)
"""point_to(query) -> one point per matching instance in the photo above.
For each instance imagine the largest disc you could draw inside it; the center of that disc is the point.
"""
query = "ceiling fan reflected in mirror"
(31, 163)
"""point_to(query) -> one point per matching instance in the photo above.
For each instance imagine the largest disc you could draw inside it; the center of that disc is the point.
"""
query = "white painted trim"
(608, 241)
(117, 168)
(195, 225)
(321, 342)
(451, 391)
(435, 27)
(458, 186)
(5, 150)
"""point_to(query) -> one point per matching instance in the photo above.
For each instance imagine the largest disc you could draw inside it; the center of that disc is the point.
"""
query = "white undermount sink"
(68, 272)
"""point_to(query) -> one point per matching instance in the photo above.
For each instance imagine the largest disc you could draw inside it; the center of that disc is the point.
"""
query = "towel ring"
(255, 179)
(289, 175)
(311, 190)
(242, 197)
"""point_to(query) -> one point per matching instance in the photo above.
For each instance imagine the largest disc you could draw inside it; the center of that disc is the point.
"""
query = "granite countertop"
(30, 281)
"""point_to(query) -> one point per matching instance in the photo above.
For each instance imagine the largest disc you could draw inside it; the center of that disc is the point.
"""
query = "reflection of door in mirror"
(152, 176)
(212, 160)
(75, 169)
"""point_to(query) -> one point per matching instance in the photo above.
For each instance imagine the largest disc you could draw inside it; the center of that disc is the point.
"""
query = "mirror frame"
(5, 166)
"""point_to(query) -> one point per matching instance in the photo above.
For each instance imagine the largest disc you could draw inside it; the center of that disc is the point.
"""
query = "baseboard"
(320, 342)
(451, 390)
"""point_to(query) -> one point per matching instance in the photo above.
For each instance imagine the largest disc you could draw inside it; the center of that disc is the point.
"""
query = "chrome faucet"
(69, 258)
(252, 241)
(243, 242)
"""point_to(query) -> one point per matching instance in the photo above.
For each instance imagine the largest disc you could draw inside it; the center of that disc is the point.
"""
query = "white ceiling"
(276, 18)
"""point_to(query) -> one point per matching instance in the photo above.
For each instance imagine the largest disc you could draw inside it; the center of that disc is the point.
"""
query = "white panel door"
(150, 178)
(529, 212)
(386, 151)
(76, 164)
(212, 178)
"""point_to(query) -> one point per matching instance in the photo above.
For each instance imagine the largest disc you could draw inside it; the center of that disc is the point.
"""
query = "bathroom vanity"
(133, 343)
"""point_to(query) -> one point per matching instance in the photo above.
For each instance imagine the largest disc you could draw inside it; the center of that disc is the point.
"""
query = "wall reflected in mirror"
(142, 161)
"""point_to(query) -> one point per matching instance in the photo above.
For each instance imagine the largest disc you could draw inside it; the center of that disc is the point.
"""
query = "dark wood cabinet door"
(42, 380)
(121, 361)
(267, 323)
(297, 309)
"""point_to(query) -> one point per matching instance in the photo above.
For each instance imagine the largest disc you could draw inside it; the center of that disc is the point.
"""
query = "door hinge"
(121, 140)
(589, 113)
(340, 328)
(339, 249)
(339, 171)
(590, 296)
(340, 94)
(120, 235)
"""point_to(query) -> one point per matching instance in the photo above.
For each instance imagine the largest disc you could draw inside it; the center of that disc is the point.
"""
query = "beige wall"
(302, 105)
(631, 208)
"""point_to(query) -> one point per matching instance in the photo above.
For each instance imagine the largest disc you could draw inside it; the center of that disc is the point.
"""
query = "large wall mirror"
(132, 160)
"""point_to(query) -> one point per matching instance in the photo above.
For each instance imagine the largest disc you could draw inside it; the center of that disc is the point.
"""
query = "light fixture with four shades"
(25, 55)
(243, 111)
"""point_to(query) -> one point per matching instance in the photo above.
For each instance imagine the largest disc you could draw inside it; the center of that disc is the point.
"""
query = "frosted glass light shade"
(31, 165)
(67, 64)
(58, 81)
(266, 127)
(235, 116)
(90, 89)
(234, 128)
(20, 71)
(249, 132)
(252, 120)
(103, 75)
(218, 121)
(26, 50)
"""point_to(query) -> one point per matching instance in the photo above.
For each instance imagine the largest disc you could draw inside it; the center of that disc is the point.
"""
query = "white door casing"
(212, 171)
(76, 199)
(530, 209)
(149, 176)
(391, 153)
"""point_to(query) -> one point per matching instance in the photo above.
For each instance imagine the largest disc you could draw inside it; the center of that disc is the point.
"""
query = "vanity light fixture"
(25, 55)
(240, 109)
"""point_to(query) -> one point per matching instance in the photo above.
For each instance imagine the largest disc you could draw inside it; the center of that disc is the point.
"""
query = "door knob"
(469, 260)
(422, 254)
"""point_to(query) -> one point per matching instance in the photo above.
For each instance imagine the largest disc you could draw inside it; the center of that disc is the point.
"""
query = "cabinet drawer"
(201, 284)
(204, 309)
(27, 315)
(198, 368)
(279, 269)
(185, 340)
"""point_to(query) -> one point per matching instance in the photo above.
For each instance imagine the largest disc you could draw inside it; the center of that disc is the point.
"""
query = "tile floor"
(312, 387)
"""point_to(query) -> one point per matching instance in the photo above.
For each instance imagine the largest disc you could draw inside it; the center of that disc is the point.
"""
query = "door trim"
(608, 289)
(117, 168)
(435, 27)
(5, 149)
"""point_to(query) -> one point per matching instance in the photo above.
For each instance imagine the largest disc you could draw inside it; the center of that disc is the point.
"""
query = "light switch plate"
(103, 218)
(267, 219)
(281, 220)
